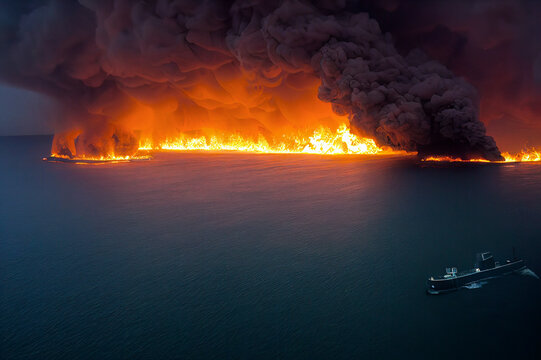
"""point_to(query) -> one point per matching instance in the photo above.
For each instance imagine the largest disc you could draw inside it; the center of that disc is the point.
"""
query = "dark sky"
(494, 44)
(25, 112)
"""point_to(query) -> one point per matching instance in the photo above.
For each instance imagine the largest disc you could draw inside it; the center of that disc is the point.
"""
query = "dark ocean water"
(234, 256)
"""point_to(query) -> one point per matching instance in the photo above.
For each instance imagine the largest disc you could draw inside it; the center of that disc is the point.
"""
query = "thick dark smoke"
(492, 43)
(105, 59)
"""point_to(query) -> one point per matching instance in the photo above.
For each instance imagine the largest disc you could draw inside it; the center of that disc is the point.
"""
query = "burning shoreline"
(323, 141)
(528, 155)
(94, 160)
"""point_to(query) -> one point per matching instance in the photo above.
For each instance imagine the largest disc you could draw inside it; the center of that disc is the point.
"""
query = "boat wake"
(476, 285)
(479, 284)
(528, 272)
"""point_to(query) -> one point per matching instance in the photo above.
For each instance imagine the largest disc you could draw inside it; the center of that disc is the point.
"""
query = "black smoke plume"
(102, 59)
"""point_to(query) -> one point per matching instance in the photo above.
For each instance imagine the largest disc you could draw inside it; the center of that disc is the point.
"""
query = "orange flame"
(529, 155)
(323, 141)
(111, 158)
(451, 159)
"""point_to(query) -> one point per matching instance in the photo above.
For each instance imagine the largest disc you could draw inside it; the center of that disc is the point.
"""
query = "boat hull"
(442, 285)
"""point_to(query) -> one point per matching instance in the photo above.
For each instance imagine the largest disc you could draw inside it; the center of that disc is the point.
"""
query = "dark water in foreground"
(216, 256)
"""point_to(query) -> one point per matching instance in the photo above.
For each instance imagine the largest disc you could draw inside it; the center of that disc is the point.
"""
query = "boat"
(485, 268)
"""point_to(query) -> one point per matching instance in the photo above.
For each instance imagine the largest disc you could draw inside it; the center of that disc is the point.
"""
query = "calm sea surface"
(235, 256)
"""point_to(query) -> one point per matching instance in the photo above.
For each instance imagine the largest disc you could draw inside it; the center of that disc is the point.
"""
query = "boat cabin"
(485, 261)
(450, 272)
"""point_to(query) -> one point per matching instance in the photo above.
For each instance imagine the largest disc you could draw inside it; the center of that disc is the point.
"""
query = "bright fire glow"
(451, 159)
(111, 157)
(323, 141)
(529, 155)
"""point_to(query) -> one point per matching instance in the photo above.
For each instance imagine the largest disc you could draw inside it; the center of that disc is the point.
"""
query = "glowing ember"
(530, 155)
(323, 141)
(97, 158)
(94, 159)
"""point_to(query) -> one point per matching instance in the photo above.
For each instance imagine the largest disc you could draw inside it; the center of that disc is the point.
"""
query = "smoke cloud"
(125, 68)
(493, 44)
